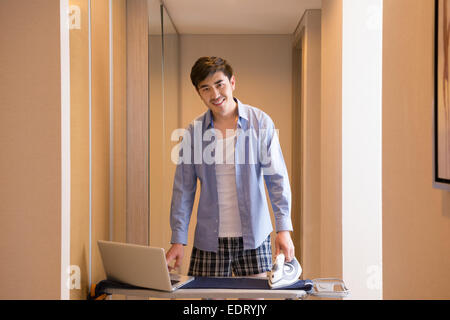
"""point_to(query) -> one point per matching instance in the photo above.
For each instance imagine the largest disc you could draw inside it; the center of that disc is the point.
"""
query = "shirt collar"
(242, 114)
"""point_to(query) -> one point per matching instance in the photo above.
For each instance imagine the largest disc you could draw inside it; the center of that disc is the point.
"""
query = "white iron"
(284, 273)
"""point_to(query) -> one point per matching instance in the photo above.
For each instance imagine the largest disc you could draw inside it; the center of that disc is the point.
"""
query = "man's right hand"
(176, 252)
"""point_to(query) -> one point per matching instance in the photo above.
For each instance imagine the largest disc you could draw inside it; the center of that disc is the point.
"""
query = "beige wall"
(262, 65)
(416, 217)
(306, 128)
(30, 147)
(331, 143)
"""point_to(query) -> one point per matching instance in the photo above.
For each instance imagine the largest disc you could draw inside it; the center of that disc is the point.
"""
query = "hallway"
(88, 113)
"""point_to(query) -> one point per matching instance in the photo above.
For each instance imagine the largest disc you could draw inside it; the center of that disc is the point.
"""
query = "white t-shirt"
(230, 220)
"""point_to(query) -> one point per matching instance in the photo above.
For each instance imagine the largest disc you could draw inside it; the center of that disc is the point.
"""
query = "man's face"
(216, 91)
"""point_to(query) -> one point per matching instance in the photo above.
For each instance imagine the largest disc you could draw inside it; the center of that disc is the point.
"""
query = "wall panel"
(137, 123)
(79, 123)
(416, 217)
(306, 128)
(331, 140)
(99, 221)
(100, 131)
(119, 119)
(30, 147)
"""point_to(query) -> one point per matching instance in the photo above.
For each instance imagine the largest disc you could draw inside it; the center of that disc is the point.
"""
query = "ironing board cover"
(212, 283)
(243, 283)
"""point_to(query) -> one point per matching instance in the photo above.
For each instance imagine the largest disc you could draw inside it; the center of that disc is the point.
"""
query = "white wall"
(361, 147)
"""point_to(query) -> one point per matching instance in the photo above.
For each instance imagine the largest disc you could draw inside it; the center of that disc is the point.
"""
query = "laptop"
(138, 265)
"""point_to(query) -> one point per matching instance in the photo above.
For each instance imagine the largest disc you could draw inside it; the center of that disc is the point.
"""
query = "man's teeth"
(218, 102)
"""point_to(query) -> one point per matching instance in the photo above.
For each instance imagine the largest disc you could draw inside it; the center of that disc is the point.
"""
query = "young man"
(233, 229)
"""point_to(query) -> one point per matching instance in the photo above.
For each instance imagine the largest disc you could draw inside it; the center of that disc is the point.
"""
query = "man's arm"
(184, 188)
(277, 182)
(183, 195)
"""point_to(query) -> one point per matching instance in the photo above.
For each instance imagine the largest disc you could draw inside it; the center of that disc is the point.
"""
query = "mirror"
(101, 81)
(164, 118)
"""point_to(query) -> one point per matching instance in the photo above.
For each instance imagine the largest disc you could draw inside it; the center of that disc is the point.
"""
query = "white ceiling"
(238, 16)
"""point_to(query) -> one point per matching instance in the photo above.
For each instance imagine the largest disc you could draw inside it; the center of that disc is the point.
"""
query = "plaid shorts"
(231, 258)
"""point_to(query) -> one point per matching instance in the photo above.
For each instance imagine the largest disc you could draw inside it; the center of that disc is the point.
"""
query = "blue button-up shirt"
(258, 158)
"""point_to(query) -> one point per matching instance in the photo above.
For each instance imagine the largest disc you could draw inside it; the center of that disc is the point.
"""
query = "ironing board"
(324, 287)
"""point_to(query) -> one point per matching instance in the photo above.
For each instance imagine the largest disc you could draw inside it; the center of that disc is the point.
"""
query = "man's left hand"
(283, 243)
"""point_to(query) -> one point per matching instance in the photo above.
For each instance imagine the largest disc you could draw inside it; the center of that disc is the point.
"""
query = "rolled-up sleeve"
(277, 179)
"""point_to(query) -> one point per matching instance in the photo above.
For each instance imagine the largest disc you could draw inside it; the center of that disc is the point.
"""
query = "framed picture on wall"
(441, 163)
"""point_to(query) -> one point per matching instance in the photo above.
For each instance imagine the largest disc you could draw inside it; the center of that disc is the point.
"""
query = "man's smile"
(218, 102)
